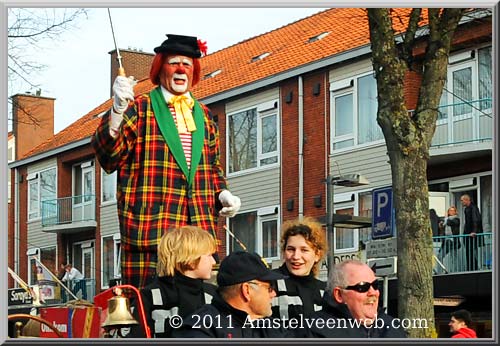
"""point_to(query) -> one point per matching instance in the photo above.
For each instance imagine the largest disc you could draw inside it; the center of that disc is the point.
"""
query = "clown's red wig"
(157, 64)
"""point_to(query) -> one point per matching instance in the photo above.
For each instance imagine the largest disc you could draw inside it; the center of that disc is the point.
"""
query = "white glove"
(231, 204)
(123, 92)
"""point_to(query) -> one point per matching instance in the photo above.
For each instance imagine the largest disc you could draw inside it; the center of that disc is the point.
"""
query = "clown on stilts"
(165, 147)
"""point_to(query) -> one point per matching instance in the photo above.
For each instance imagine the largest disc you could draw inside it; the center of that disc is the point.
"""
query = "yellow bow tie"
(184, 115)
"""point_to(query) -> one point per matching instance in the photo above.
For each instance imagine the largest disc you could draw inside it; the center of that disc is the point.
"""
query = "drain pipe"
(16, 220)
(301, 147)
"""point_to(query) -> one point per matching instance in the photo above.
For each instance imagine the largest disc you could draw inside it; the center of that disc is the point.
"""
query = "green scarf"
(169, 131)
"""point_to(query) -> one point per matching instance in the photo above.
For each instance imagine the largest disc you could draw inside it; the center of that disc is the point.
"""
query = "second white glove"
(231, 204)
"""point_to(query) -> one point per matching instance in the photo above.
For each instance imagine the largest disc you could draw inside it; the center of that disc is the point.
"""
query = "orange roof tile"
(289, 49)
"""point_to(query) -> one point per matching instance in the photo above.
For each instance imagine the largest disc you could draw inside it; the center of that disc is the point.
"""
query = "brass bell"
(118, 313)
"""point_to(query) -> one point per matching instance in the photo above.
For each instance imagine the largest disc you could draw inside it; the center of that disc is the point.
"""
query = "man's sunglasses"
(362, 286)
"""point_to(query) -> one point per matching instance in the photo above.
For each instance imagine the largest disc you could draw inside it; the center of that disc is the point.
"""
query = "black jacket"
(297, 295)
(340, 314)
(169, 296)
(473, 221)
(221, 320)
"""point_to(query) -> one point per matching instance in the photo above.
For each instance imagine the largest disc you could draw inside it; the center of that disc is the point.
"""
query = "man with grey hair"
(351, 302)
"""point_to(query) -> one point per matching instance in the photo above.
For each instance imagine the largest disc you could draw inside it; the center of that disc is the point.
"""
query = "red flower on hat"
(203, 47)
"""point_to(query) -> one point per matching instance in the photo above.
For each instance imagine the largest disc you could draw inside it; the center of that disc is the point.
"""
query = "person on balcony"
(75, 280)
(473, 225)
(165, 146)
(451, 227)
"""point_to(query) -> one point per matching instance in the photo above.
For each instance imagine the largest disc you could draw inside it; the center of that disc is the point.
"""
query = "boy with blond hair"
(185, 259)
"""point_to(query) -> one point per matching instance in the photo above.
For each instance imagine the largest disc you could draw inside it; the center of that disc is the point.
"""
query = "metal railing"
(83, 289)
(462, 253)
(68, 210)
(464, 122)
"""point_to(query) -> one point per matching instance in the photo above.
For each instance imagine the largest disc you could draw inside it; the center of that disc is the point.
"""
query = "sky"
(77, 72)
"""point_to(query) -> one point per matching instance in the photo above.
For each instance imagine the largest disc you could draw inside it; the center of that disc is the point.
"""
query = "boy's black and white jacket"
(169, 296)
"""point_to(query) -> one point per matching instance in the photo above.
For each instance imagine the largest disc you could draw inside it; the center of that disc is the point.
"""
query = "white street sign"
(383, 266)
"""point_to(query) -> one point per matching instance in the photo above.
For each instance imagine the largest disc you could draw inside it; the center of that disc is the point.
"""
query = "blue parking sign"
(382, 215)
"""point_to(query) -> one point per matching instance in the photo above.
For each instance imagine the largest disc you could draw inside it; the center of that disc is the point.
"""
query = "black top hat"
(179, 44)
(242, 266)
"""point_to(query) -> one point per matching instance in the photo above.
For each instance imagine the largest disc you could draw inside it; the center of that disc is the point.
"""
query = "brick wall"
(134, 62)
(316, 111)
(33, 121)
(289, 148)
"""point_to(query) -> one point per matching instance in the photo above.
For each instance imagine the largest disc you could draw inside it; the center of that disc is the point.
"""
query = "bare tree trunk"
(408, 138)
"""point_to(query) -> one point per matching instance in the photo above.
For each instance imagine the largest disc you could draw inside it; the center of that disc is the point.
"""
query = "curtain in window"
(368, 128)
(269, 239)
(485, 77)
(462, 91)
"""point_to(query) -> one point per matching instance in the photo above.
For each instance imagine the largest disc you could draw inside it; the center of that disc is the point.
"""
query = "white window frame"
(113, 180)
(264, 214)
(116, 257)
(32, 252)
(457, 62)
(263, 110)
(343, 87)
(267, 214)
(346, 201)
(32, 178)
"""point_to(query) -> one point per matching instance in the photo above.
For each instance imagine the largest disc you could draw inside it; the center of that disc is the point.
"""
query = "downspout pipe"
(301, 146)
(16, 220)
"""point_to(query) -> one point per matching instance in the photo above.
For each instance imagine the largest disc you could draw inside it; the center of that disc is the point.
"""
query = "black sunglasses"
(362, 286)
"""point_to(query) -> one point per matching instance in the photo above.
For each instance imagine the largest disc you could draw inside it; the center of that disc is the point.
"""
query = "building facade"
(290, 112)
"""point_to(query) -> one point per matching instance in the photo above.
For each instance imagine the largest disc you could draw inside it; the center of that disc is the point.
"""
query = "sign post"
(382, 214)
(384, 267)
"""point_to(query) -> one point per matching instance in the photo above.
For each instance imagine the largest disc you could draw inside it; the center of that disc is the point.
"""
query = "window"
(485, 78)
(33, 253)
(47, 256)
(365, 210)
(110, 259)
(346, 239)
(253, 137)
(354, 111)
(108, 187)
(468, 86)
(41, 187)
(258, 231)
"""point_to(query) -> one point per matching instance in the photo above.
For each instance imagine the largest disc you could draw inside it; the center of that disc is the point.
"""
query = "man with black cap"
(165, 147)
(242, 304)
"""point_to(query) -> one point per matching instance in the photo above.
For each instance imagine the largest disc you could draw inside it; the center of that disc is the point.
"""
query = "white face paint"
(178, 74)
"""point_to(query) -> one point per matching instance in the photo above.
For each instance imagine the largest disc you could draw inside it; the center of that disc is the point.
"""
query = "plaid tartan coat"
(155, 189)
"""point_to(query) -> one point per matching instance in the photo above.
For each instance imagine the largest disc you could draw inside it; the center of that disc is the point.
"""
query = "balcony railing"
(462, 253)
(68, 210)
(464, 122)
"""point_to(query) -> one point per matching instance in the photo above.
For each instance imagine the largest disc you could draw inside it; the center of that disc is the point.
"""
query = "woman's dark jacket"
(297, 295)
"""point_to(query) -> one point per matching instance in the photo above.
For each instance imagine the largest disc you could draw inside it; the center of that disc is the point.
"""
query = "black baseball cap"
(180, 44)
(242, 266)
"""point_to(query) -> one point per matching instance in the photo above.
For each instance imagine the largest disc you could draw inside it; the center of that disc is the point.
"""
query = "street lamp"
(344, 221)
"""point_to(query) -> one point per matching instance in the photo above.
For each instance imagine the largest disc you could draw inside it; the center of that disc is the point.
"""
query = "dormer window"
(212, 74)
(260, 57)
(318, 37)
